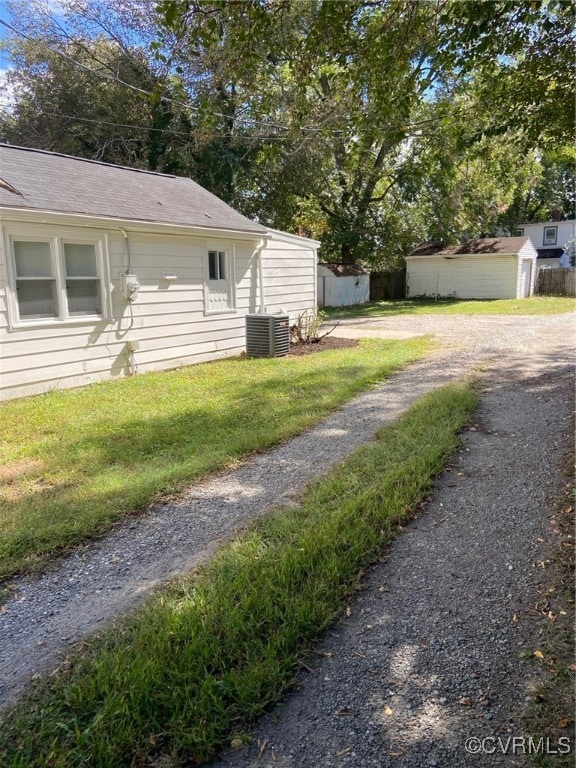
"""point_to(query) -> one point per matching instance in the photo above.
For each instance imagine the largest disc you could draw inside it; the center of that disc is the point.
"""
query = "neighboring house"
(490, 268)
(340, 285)
(106, 271)
(549, 238)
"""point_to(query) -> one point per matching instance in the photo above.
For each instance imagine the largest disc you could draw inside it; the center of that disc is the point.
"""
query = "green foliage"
(78, 461)
(174, 683)
(521, 54)
(369, 125)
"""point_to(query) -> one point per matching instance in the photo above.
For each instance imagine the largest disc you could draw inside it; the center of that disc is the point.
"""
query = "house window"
(219, 285)
(35, 281)
(55, 280)
(550, 235)
(217, 265)
(519, 232)
(82, 282)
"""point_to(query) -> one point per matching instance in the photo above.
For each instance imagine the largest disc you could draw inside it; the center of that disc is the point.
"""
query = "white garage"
(488, 268)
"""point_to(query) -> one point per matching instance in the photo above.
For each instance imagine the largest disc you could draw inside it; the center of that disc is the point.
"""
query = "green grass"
(73, 463)
(535, 305)
(551, 713)
(185, 675)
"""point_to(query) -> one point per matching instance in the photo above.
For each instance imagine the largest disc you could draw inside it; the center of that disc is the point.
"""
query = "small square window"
(550, 235)
(519, 232)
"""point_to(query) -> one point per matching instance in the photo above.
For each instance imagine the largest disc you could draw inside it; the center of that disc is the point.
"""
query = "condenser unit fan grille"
(267, 335)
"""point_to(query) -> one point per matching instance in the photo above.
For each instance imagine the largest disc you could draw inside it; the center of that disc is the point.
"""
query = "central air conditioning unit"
(267, 335)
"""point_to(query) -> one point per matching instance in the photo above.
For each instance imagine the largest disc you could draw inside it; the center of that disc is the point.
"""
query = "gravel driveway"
(430, 653)
(452, 580)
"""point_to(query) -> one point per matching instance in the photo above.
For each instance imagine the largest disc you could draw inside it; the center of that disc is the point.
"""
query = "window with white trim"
(55, 279)
(219, 284)
(217, 265)
(550, 235)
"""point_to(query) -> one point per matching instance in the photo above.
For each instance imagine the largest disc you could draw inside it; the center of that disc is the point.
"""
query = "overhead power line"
(143, 91)
(161, 130)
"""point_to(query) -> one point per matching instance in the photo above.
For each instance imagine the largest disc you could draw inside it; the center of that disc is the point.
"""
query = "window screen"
(32, 259)
(36, 298)
(82, 283)
(34, 280)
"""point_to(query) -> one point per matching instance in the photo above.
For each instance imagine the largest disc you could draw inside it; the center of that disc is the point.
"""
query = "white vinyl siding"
(465, 277)
(169, 318)
(472, 276)
(289, 276)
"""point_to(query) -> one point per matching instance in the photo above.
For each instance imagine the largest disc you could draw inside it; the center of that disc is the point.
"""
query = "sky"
(4, 60)
(5, 16)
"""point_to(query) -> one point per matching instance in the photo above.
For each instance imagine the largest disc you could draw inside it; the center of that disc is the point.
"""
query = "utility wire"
(246, 121)
(144, 92)
(161, 130)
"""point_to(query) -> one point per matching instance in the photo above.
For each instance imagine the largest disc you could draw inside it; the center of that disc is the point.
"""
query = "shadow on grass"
(535, 305)
(116, 468)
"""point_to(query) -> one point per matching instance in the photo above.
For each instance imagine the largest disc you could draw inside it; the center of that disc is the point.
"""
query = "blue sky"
(5, 16)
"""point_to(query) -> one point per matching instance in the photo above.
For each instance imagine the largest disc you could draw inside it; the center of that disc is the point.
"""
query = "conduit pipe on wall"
(127, 249)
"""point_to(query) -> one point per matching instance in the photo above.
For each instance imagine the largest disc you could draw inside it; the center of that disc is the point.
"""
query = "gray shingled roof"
(507, 245)
(46, 181)
(344, 270)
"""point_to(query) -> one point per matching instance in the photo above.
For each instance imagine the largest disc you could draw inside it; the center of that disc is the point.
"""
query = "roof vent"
(267, 335)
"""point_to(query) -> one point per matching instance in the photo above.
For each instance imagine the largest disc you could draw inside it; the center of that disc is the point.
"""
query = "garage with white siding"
(484, 268)
(107, 272)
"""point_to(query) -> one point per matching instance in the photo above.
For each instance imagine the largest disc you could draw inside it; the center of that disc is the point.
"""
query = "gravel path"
(46, 616)
(429, 654)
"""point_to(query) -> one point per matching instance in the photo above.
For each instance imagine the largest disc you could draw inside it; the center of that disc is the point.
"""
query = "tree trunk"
(348, 254)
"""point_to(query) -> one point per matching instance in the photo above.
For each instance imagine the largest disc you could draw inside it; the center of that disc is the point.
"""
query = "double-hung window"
(55, 279)
(219, 293)
(82, 281)
(36, 292)
(550, 235)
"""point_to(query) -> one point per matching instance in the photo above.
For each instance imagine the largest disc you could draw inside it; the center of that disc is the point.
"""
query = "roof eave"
(108, 222)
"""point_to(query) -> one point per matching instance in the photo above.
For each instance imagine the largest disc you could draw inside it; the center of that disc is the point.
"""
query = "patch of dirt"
(15, 470)
(328, 342)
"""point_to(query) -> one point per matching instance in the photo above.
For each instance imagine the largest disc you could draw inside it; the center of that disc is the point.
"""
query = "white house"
(106, 271)
(341, 285)
(549, 239)
(490, 268)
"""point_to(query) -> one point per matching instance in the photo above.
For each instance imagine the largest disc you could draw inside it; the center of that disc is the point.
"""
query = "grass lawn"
(72, 463)
(181, 678)
(551, 712)
(535, 305)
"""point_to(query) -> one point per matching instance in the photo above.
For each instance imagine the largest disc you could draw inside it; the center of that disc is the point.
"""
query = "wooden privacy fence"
(385, 286)
(556, 282)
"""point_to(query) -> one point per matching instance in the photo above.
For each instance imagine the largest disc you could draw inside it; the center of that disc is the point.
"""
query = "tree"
(340, 83)
(522, 54)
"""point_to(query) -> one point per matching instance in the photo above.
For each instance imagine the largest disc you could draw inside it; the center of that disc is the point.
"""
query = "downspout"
(258, 252)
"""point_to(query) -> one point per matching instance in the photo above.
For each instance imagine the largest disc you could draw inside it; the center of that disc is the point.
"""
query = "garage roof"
(485, 245)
